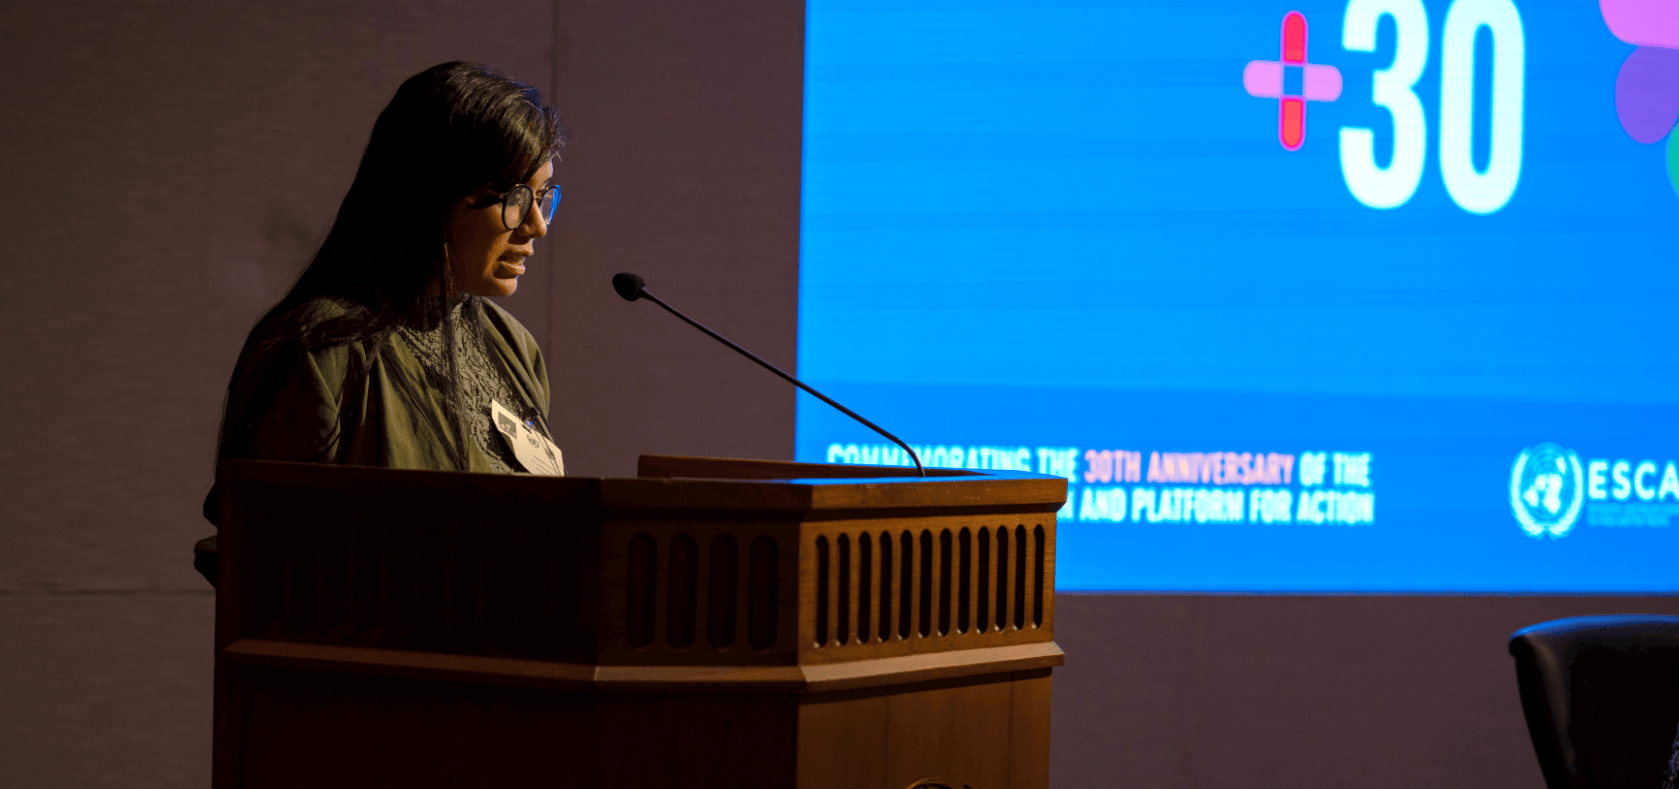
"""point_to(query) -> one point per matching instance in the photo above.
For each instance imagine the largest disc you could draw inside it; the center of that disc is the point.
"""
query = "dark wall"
(169, 167)
(686, 171)
(1253, 692)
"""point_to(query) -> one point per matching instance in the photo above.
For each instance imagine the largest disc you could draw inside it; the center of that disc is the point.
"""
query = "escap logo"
(1547, 490)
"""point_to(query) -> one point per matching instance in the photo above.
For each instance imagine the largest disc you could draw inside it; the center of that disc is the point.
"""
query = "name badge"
(535, 452)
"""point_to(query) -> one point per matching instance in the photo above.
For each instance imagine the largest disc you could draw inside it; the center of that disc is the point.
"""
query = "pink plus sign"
(1266, 79)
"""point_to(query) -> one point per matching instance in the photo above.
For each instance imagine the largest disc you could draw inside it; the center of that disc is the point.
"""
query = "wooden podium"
(715, 623)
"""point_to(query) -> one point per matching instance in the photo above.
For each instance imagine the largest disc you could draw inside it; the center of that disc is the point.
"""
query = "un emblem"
(1546, 490)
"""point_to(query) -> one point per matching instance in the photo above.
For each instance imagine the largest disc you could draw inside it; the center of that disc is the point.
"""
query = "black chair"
(1601, 694)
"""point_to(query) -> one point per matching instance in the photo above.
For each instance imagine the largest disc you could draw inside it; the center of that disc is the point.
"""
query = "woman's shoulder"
(510, 329)
(331, 331)
(317, 319)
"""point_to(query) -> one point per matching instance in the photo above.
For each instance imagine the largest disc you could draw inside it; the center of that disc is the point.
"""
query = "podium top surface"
(698, 484)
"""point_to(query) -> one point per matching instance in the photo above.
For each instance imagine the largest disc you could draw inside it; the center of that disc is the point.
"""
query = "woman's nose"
(535, 224)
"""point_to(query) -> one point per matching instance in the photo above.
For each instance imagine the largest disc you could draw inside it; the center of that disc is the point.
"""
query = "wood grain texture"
(843, 742)
(952, 732)
(949, 730)
(1029, 733)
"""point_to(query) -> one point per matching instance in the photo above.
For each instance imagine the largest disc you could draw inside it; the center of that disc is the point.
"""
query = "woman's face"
(485, 257)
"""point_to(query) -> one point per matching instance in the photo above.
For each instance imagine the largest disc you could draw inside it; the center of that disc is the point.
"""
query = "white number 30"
(1393, 88)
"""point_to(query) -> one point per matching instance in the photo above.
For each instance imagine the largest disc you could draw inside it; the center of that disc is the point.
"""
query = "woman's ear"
(456, 215)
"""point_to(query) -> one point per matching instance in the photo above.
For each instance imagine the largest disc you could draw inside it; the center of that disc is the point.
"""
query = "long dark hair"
(451, 130)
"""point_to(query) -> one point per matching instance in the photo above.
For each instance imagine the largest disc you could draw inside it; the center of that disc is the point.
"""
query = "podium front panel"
(713, 622)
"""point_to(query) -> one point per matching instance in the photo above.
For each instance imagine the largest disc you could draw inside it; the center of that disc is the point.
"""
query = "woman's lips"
(513, 265)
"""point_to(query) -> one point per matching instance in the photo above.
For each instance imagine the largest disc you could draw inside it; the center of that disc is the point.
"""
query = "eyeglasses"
(516, 204)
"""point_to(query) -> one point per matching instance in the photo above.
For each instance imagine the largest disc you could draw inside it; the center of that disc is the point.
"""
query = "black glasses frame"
(517, 202)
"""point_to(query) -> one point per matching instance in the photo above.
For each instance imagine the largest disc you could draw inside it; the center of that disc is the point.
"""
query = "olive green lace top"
(347, 404)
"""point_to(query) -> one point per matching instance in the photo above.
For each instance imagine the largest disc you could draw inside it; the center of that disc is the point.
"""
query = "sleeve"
(283, 404)
(291, 414)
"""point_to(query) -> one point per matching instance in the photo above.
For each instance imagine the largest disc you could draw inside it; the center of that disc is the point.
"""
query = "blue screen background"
(1071, 229)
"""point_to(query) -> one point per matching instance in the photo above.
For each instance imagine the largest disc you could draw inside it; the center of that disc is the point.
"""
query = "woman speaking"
(385, 352)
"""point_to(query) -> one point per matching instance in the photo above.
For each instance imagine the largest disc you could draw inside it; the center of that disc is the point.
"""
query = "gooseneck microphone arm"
(632, 287)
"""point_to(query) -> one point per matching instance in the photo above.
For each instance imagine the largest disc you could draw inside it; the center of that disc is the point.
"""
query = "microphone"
(632, 287)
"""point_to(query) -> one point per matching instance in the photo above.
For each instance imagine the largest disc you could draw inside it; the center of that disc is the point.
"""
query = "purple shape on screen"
(1323, 83)
(1264, 78)
(1647, 93)
(1647, 23)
